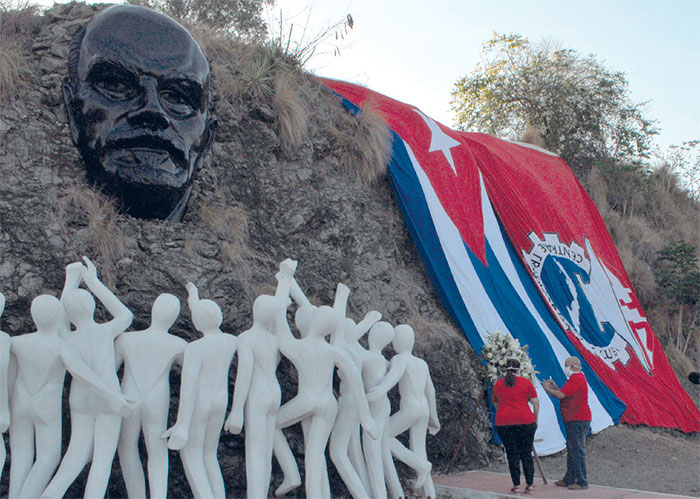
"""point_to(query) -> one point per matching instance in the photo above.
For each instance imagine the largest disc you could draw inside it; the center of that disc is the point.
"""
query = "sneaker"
(576, 486)
(561, 483)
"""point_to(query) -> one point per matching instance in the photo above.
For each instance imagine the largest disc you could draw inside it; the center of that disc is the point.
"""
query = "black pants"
(517, 439)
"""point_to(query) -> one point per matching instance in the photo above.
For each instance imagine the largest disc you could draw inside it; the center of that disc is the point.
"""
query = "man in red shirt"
(577, 420)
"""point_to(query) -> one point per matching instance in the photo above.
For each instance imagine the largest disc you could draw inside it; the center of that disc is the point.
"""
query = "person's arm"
(178, 434)
(74, 272)
(244, 375)
(494, 395)
(192, 296)
(4, 382)
(433, 422)
(397, 366)
(122, 315)
(351, 376)
(80, 370)
(366, 324)
(340, 306)
(551, 387)
(535, 407)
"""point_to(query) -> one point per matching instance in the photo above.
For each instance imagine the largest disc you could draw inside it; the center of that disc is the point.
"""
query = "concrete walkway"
(489, 485)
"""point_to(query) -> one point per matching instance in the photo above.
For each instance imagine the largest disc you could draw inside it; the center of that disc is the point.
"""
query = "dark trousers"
(517, 439)
(576, 432)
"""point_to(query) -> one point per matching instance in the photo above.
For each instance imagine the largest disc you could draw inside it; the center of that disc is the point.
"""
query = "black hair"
(512, 365)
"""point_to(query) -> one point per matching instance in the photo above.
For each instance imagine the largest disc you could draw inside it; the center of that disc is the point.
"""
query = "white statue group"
(107, 418)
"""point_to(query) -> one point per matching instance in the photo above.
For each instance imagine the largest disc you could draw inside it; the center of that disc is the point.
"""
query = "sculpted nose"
(150, 114)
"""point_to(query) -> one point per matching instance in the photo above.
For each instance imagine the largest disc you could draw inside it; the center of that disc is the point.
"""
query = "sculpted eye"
(176, 101)
(114, 87)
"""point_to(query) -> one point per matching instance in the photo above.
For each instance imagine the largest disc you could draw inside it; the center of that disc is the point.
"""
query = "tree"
(684, 161)
(581, 108)
(677, 275)
(242, 17)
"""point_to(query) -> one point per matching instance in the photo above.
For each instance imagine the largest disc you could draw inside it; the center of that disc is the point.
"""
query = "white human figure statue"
(377, 452)
(94, 427)
(203, 399)
(314, 405)
(417, 408)
(4, 381)
(148, 356)
(257, 398)
(344, 445)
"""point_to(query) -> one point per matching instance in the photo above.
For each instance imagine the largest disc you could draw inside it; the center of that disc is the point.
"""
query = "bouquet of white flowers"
(497, 350)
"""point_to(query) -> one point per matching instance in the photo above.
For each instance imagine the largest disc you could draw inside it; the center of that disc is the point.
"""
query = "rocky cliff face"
(255, 203)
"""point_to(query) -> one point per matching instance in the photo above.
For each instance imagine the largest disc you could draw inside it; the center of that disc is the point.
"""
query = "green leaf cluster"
(241, 17)
(581, 108)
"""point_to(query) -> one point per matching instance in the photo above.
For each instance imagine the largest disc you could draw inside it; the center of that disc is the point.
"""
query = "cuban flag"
(512, 242)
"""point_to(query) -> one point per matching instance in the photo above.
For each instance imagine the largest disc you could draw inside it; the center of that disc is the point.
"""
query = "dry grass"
(230, 225)
(363, 143)
(91, 226)
(291, 115)
(18, 24)
(12, 71)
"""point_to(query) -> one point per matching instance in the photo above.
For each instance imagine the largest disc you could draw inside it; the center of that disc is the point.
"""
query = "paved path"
(490, 485)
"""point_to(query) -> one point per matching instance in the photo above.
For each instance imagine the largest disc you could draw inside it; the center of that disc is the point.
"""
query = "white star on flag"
(439, 140)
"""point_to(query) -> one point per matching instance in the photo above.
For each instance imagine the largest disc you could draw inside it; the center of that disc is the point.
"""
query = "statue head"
(45, 311)
(380, 335)
(79, 305)
(138, 103)
(165, 310)
(403, 339)
(207, 316)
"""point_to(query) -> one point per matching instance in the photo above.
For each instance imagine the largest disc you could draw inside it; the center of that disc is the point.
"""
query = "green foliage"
(581, 108)
(678, 277)
(677, 272)
(684, 160)
(242, 17)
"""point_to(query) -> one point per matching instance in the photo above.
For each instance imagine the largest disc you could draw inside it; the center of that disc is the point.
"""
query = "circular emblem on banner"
(587, 299)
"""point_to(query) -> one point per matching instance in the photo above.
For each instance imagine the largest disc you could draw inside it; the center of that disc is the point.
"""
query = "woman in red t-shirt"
(516, 422)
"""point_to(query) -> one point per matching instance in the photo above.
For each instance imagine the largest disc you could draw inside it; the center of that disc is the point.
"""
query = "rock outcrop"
(255, 203)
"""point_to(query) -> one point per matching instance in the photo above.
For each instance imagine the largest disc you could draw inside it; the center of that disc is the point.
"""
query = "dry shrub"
(291, 115)
(427, 329)
(597, 188)
(91, 225)
(19, 21)
(640, 273)
(230, 225)
(363, 143)
(12, 71)
(680, 363)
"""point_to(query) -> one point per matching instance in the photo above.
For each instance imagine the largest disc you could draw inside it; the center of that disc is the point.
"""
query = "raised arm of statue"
(366, 324)
(122, 316)
(340, 306)
(351, 376)
(178, 434)
(192, 295)
(74, 274)
(397, 366)
(78, 369)
(244, 374)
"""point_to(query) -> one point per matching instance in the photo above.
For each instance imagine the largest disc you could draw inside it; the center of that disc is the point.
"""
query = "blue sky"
(415, 51)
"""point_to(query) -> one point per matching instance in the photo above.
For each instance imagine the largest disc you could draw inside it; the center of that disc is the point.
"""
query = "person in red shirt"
(577, 419)
(516, 422)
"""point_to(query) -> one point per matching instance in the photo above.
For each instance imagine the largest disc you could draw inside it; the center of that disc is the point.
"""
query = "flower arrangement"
(497, 350)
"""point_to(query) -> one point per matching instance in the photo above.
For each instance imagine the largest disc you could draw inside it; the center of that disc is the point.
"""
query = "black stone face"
(137, 99)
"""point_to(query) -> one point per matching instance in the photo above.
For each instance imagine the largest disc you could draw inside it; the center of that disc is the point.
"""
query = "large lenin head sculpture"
(138, 103)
